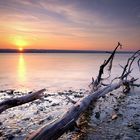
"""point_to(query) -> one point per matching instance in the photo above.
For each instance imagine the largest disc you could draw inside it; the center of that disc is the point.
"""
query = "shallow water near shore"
(56, 71)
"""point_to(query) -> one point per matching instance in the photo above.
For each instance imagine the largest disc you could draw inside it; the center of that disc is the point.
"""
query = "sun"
(20, 49)
(20, 42)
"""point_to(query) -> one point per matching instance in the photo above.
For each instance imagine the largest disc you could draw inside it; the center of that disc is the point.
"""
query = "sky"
(70, 24)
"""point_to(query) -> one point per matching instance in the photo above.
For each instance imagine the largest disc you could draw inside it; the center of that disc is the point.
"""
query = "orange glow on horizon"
(20, 42)
(20, 49)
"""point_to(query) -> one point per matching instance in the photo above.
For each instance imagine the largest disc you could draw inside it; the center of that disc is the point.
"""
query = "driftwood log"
(54, 131)
(69, 119)
(9, 103)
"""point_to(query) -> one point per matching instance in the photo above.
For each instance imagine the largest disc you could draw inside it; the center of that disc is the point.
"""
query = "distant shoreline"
(57, 51)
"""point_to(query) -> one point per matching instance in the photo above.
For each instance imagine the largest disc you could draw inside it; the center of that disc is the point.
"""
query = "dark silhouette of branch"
(101, 70)
(127, 68)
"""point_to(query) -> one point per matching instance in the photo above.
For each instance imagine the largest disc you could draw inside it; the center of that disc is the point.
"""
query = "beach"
(18, 122)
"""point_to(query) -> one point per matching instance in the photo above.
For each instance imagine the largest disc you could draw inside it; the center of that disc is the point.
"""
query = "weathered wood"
(54, 131)
(9, 103)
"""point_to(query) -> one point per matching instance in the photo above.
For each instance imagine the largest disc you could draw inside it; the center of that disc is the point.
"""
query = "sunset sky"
(70, 24)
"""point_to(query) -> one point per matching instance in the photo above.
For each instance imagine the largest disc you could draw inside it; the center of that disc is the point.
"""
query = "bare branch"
(135, 85)
(106, 62)
(129, 63)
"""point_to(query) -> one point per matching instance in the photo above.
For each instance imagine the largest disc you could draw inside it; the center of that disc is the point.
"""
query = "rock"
(9, 136)
(103, 97)
(130, 125)
(41, 109)
(49, 118)
(1, 133)
(78, 96)
(18, 131)
(70, 91)
(111, 94)
(25, 119)
(55, 104)
(60, 93)
(97, 115)
(2, 91)
(40, 122)
(136, 126)
(30, 92)
(117, 137)
(37, 102)
(17, 92)
(114, 116)
(120, 115)
(122, 96)
(136, 115)
(116, 109)
(37, 112)
(48, 100)
(127, 138)
(10, 92)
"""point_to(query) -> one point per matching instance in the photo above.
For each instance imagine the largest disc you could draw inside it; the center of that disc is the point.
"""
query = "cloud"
(91, 20)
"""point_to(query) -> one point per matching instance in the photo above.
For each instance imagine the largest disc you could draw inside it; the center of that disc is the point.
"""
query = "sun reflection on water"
(21, 69)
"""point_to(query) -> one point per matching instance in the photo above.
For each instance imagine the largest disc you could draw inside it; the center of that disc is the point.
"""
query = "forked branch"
(101, 70)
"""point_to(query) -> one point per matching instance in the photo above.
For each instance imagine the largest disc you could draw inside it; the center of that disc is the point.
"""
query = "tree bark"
(54, 131)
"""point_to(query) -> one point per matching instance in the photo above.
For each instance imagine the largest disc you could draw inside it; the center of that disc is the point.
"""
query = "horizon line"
(2, 50)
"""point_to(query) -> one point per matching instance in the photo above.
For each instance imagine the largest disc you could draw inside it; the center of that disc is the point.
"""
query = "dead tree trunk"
(55, 130)
(69, 119)
(9, 103)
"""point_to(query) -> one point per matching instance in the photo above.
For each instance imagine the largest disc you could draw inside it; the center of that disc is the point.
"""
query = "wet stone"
(25, 119)
(1, 133)
(117, 137)
(55, 104)
(115, 116)
(40, 122)
(41, 109)
(70, 91)
(116, 109)
(78, 95)
(9, 136)
(127, 138)
(97, 115)
(49, 118)
(136, 126)
(10, 92)
(30, 92)
(60, 93)
(18, 131)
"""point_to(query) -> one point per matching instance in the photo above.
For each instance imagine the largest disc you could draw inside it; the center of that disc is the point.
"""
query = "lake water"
(54, 70)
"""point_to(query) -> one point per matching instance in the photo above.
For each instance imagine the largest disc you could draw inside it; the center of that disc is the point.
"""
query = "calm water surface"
(53, 70)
